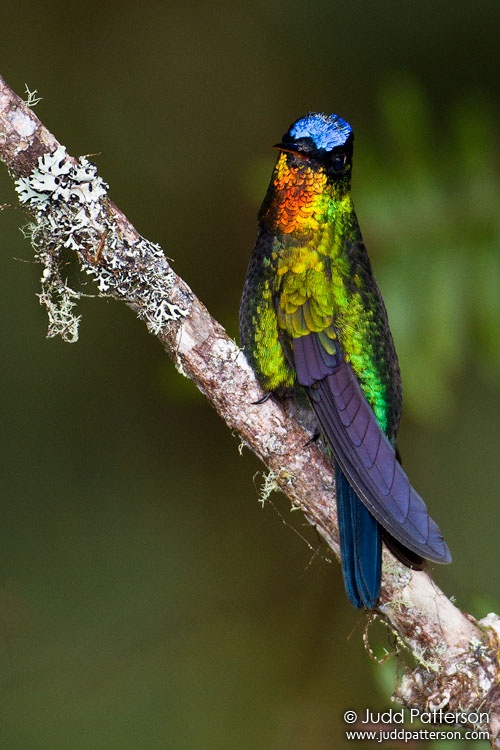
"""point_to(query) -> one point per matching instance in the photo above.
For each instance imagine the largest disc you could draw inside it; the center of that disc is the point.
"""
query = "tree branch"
(456, 657)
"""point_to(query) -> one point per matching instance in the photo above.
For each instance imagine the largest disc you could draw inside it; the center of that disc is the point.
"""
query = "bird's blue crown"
(326, 131)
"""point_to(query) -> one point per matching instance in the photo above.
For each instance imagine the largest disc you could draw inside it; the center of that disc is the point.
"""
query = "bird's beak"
(286, 147)
(289, 148)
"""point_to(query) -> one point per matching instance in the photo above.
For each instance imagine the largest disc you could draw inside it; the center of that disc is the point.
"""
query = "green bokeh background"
(146, 599)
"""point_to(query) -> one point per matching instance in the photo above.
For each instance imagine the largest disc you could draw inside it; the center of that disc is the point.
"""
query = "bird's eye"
(338, 163)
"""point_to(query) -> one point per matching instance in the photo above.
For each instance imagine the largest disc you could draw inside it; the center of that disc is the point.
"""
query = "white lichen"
(31, 97)
(69, 202)
(269, 485)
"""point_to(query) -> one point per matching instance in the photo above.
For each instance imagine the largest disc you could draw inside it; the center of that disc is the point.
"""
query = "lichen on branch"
(68, 201)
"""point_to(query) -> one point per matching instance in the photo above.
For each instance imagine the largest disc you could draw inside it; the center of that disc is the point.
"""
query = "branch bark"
(456, 658)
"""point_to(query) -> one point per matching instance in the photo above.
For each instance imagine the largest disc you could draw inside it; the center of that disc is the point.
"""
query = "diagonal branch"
(456, 657)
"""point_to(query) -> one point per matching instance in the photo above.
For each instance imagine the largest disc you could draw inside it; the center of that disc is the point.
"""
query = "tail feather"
(361, 546)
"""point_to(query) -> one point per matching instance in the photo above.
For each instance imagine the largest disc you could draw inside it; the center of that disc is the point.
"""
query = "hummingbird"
(314, 327)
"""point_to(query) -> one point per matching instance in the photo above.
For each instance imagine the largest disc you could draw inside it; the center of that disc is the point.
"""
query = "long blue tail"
(360, 545)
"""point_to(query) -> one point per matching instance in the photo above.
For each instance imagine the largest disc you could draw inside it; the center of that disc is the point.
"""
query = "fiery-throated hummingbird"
(313, 325)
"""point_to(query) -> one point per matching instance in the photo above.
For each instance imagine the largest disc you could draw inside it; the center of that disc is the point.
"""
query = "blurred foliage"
(146, 600)
(432, 210)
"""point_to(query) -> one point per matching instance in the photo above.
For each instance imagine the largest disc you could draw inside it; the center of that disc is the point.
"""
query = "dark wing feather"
(363, 451)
